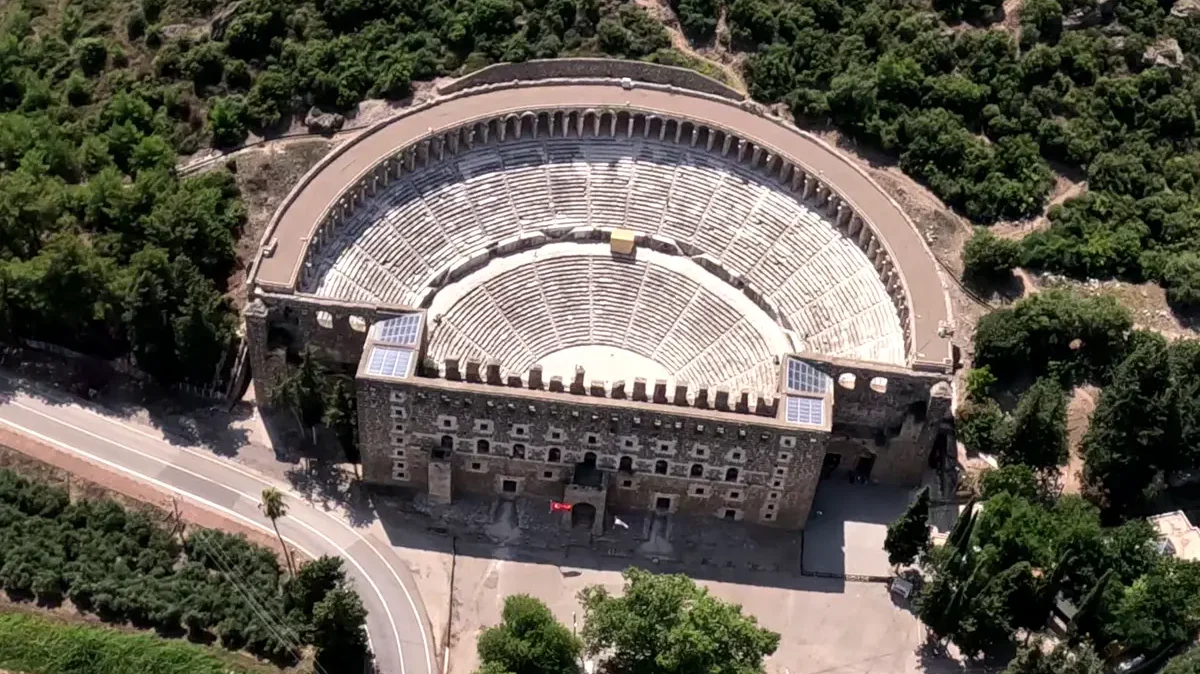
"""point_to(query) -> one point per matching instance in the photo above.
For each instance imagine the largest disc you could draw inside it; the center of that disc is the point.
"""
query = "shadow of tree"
(334, 484)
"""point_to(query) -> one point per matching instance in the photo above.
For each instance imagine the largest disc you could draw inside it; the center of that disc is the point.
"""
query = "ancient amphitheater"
(614, 285)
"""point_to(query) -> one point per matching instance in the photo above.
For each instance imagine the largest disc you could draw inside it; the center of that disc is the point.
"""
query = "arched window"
(447, 442)
(554, 455)
(697, 470)
(482, 446)
(626, 464)
(731, 475)
(589, 459)
(518, 451)
(660, 467)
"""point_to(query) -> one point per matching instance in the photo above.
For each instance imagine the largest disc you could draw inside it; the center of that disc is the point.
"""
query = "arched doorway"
(589, 460)
(583, 516)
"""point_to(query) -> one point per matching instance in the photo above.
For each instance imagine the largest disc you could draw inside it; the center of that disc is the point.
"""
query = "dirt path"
(1079, 414)
(661, 10)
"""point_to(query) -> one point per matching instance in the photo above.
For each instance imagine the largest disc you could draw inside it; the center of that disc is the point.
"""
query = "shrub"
(227, 117)
(988, 258)
(983, 427)
(91, 53)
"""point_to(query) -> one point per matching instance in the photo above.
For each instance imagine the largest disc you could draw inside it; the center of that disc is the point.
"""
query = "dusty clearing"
(715, 55)
(1079, 415)
(265, 177)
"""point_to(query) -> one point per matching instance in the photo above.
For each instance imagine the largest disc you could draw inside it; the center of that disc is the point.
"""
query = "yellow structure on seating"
(622, 241)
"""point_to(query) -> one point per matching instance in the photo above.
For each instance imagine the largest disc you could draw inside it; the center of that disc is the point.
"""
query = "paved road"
(396, 620)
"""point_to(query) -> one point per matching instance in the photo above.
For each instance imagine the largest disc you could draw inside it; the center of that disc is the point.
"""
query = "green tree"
(529, 640)
(227, 118)
(1054, 331)
(1017, 479)
(980, 380)
(1130, 428)
(312, 582)
(665, 624)
(339, 632)
(302, 391)
(984, 427)
(273, 507)
(989, 259)
(1038, 435)
(1162, 608)
(908, 536)
(341, 416)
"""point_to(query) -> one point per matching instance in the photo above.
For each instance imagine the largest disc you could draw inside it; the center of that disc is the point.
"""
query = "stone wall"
(591, 68)
(745, 467)
(281, 326)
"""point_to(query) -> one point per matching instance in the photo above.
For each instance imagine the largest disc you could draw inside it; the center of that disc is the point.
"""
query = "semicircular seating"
(523, 314)
(390, 248)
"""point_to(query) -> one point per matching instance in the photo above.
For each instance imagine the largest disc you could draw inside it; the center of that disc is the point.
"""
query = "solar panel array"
(387, 361)
(401, 331)
(804, 378)
(802, 410)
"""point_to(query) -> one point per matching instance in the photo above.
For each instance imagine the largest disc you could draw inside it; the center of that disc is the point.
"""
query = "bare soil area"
(265, 177)
(1079, 415)
(713, 54)
(1147, 302)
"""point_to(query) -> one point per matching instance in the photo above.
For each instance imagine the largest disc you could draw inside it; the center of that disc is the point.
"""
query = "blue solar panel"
(388, 362)
(804, 378)
(401, 331)
(806, 410)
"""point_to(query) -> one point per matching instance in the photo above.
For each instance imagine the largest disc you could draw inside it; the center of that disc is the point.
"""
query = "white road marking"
(210, 504)
(258, 478)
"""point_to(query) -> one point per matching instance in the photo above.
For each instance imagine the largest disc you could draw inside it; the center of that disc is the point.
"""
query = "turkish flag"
(556, 507)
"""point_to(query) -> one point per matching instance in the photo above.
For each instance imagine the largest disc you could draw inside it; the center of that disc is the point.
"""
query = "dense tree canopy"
(978, 113)
(666, 624)
(1053, 332)
(1145, 423)
(103, 248)
(126, 566)
(1006, 568)
(1038, 437)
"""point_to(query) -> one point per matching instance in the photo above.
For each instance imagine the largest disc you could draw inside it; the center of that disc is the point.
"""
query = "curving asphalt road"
(396, 622)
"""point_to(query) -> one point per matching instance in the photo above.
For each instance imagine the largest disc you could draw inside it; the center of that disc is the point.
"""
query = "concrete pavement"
(396, 622)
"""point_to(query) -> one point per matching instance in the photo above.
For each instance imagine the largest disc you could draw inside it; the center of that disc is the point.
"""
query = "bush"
(33, 644)
(227, 117)
(988, 258)
(126, 566)
(91, 53)
(698, 18)
(983, 427)
(1181, 278)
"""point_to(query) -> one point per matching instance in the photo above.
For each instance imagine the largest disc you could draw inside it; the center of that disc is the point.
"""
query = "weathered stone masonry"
(446, 435)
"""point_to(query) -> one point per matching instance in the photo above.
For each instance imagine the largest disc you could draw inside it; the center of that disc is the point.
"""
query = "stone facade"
(280, 327)
(578, 449)
(579, 444)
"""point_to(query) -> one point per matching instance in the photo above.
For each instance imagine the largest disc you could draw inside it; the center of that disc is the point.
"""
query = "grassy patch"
(37, 645)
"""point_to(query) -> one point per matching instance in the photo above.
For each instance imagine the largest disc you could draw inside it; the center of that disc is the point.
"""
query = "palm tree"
(273, 507)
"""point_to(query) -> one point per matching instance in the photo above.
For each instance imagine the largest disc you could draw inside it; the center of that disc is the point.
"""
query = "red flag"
(556, 507)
